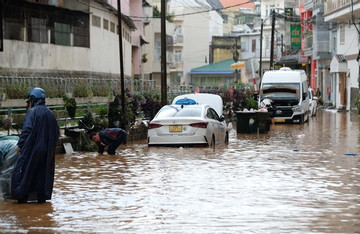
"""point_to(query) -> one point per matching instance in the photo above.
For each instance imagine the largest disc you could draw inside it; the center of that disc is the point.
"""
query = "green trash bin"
(263, 121)
(246, 122)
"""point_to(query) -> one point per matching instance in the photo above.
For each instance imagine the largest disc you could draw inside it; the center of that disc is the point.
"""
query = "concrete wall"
(101, 57)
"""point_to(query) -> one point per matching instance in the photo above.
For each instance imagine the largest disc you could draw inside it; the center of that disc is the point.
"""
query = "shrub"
(17, 91)
(150, 105)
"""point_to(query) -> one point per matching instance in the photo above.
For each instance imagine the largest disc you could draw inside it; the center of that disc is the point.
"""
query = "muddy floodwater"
(295, 179)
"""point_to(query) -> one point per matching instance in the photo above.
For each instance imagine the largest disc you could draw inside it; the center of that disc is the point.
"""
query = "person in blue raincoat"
(109, 139)
(33, 175)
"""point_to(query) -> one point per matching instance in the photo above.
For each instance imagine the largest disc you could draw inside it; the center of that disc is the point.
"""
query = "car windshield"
(174, 111)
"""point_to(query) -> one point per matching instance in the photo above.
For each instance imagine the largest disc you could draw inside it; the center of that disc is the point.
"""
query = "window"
(106, 24)
(62, 34)
(243, 46)
(13, 24)
(112, 27)
(253, 45)
(178, 56)
(342, 34)
(211, 113)
(96, 21)
(267, 42)
(37, 30)
(80, 31)
(225, 17)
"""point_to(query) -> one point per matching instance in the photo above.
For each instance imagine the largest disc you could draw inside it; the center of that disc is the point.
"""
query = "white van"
(287, 90)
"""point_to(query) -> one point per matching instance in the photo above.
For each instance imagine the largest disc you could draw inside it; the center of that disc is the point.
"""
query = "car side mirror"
(222, 118)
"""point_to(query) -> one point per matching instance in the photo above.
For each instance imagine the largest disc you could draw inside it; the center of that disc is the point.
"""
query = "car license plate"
(175, 128)
(279, 120)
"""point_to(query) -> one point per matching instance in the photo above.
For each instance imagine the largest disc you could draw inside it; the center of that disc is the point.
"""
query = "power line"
(198, 12)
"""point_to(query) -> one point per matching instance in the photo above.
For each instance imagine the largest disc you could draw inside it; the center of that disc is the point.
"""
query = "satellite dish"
(255, 63)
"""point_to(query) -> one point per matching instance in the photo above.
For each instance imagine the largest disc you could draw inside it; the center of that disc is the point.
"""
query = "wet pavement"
(296, 178)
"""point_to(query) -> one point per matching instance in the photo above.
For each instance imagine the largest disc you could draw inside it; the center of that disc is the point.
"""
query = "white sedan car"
(187, 124)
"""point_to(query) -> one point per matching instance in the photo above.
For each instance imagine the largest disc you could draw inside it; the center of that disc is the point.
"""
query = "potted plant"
(144, 58)
(357, 103)
(70, 105)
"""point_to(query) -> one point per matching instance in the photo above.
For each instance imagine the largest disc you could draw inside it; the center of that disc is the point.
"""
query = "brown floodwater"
(296, 178)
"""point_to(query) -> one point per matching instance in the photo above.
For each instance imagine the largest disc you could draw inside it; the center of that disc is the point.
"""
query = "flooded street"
(296, 178)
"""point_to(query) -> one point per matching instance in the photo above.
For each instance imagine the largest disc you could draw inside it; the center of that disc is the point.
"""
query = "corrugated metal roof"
(222, 67)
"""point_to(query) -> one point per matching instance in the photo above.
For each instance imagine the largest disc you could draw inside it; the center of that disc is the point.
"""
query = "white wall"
(104, 47)
(196, 42)
(349, 47)
(102, 56)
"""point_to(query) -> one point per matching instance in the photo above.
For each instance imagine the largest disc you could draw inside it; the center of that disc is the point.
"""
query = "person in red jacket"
(109, 139)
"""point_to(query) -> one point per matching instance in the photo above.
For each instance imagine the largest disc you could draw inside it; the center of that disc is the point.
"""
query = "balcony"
(321, 50)
(341, 10)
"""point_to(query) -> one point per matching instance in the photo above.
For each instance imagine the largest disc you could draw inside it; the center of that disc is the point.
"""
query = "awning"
(218, 68)
(338, 64)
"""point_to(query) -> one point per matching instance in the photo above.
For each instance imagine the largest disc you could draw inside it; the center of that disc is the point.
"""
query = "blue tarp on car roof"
(185, 101)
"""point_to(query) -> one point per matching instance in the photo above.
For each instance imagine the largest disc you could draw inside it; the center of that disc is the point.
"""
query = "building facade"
(64, 40)
(345, 40)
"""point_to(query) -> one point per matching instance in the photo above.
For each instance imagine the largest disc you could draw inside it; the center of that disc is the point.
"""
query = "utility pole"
(1, 26)
(163, 54)
(261, 48)
(272, 40)
(121, 59)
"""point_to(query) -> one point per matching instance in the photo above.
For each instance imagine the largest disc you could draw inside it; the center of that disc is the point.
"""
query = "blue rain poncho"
(8, 156)
(33, 174)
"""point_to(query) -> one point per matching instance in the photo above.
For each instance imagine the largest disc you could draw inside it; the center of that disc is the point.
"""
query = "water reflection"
(296, 178)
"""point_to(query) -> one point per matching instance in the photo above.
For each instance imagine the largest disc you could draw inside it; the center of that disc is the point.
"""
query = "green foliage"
(17, 91)
(52, 91)
(357, 102)
(70, 105)
(117, 117)
(18, 121)
(150, 105)
(157, 14)
(251, 103)
(2, 121)
(102, 111)
(81, 89)
(88, 119)
(87, 144)
(101, 89)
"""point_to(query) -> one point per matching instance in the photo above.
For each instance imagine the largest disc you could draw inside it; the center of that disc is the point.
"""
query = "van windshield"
(281, 90)
(293, 85)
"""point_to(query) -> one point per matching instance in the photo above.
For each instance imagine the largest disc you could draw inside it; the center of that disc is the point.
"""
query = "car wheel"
(212, 143)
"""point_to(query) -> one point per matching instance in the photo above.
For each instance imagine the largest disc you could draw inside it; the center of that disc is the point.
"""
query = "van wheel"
(302, 119)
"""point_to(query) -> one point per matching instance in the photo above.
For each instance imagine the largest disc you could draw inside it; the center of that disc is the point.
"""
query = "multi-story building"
(231, 13)
(195, 24)
(345, 40)
(151, 64)
(64, 40)
(316, 44)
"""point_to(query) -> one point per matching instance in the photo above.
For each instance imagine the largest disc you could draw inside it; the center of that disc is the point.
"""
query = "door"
(342, 88)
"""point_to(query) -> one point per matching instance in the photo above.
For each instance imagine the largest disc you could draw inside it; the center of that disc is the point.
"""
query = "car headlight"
(296, 109)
